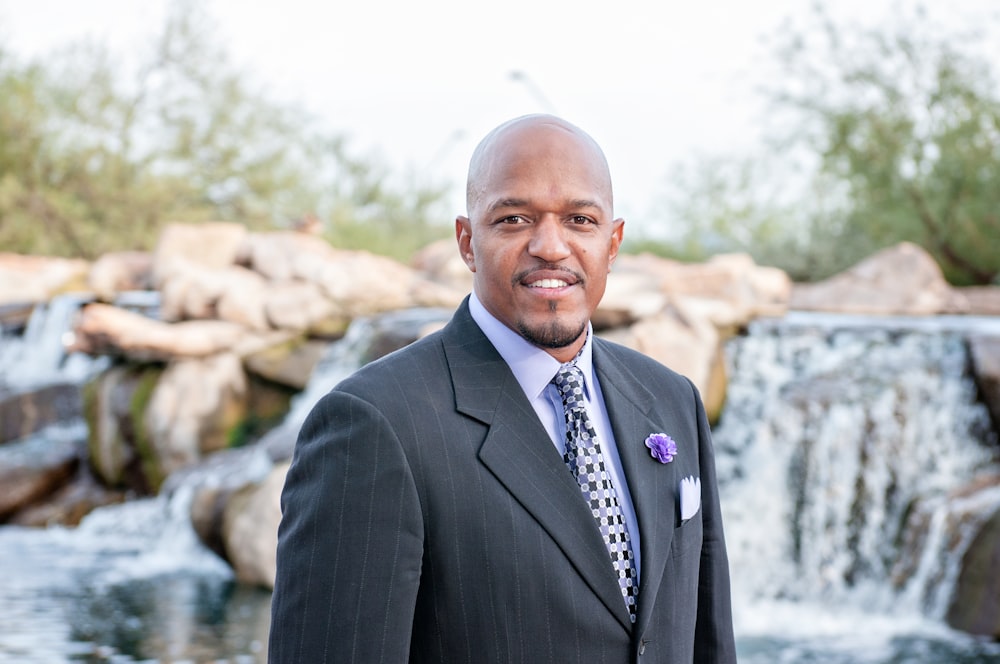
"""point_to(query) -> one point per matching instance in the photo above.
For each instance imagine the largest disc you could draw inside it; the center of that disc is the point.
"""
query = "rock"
(301, 306)
(903, 280)
(69, 504)
(119, 450)
(121, 271)
(207, 507)
(426, 293)
(33, 468)
(396, 329)
(630, 295)
(268, 404)
(230, 293)
(194, 408)
(250, 529)
(362, 283)
(975, 604)
(24, 413)
(729, 290)
(440, 262)
(38, 278)
(689, 345)
(102, 329)
(212, 245)
(974, 301)
(278, 256)
(984, 352)
(213, 481)
(288, 364)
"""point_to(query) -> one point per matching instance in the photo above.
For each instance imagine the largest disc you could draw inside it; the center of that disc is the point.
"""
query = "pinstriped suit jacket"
(427, 517)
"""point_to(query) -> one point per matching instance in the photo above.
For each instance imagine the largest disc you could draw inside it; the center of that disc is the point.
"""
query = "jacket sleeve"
(714, 640)
(350, 541)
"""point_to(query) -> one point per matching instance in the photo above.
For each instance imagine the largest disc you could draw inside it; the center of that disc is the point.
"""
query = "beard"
(554, 334)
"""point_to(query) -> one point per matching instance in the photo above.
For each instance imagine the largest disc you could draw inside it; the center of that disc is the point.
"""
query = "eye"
(513, 219)
(581, 220)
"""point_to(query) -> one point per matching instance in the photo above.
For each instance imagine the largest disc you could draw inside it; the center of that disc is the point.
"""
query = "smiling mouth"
(548, 283)
(548, 277)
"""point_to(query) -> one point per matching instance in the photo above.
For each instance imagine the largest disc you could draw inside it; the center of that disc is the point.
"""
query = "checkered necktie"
(586, 462)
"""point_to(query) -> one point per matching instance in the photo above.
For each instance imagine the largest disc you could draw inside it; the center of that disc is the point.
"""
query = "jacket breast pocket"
(687, 538)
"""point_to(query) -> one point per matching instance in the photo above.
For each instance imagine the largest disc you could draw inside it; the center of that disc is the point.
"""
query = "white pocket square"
(690, 497)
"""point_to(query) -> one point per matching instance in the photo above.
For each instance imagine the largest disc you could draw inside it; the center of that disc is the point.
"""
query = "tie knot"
(569, 381)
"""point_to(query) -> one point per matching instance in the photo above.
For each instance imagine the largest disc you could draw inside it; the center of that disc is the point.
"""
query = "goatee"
(553, 335)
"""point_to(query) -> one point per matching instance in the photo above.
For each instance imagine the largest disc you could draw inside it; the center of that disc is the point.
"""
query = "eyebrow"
(523, 202)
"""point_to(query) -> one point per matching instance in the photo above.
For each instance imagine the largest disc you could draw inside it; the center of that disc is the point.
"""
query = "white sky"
(654, 81)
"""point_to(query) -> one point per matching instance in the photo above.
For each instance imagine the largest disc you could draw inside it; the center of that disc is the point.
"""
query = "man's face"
(540, 236)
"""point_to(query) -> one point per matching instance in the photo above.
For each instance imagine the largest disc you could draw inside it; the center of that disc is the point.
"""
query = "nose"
(548, 240)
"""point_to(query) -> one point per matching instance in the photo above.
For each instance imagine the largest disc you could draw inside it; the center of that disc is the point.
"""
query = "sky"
(417, 84)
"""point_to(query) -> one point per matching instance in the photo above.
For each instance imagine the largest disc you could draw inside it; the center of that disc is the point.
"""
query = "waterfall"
(38, 357)
(842, 452)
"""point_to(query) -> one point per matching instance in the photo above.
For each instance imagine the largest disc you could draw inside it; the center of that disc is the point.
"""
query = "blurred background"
(775, 128)
(857, 451)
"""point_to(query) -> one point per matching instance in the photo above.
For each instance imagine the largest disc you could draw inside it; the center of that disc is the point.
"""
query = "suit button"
(642, 647)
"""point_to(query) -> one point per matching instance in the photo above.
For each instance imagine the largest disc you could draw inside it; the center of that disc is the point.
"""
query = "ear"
(463, 233)
(617, 233)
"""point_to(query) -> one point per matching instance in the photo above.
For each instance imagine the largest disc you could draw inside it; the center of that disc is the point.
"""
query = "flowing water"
(841, 447)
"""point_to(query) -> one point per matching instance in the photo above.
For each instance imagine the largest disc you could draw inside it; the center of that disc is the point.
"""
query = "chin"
(551, 334)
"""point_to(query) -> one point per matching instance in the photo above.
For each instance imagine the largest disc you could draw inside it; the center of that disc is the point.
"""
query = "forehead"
(540, 159)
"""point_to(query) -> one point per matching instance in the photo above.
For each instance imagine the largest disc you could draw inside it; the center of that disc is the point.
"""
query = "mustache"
(546, 267)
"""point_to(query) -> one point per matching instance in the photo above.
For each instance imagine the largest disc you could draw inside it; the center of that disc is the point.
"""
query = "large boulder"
(24, 413)
(290, 363)
(212, 245)
(120, 271)
(729, 290)
(285, 255)
(38, 278)
(974, 301)
(33, 468)
(102, 329)
(440, 262)
(902, 280)
(250, 529)
(69, 504)
(689, 345)
(985, 355)
(363, 283)
(231, 293)
(194, 409)
(975, 603)
(119, 451)
(301, 306)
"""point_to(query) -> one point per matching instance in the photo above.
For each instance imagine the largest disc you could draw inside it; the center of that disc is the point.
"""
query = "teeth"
(549, 283)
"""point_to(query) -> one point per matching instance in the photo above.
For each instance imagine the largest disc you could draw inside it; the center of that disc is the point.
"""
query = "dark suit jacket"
(428, 517)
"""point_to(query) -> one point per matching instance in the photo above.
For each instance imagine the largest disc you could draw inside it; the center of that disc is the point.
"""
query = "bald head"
(522, 134)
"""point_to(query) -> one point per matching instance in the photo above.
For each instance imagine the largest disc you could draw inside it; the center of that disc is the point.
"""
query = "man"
(488, 494)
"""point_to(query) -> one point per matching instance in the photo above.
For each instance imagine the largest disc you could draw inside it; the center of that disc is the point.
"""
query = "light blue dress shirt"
(534, 369)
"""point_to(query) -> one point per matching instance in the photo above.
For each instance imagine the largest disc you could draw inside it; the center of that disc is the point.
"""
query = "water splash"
(841, 452)
(38, 356)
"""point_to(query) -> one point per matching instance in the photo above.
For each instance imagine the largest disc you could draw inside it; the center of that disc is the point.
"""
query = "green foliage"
(95, 158)
(910, 124)
(887, 135)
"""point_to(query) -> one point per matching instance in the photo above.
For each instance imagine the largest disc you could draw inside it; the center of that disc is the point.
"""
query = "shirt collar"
(532, 366)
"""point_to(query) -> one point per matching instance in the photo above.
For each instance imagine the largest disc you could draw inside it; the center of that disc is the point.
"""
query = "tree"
(94, 158)
(884, 135)
(909, 125)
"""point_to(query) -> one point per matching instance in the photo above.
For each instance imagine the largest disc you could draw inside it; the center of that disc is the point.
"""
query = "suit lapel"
(651, 485)
(518, 452)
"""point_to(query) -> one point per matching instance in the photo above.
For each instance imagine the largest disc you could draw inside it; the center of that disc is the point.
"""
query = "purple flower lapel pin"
(661, 447)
